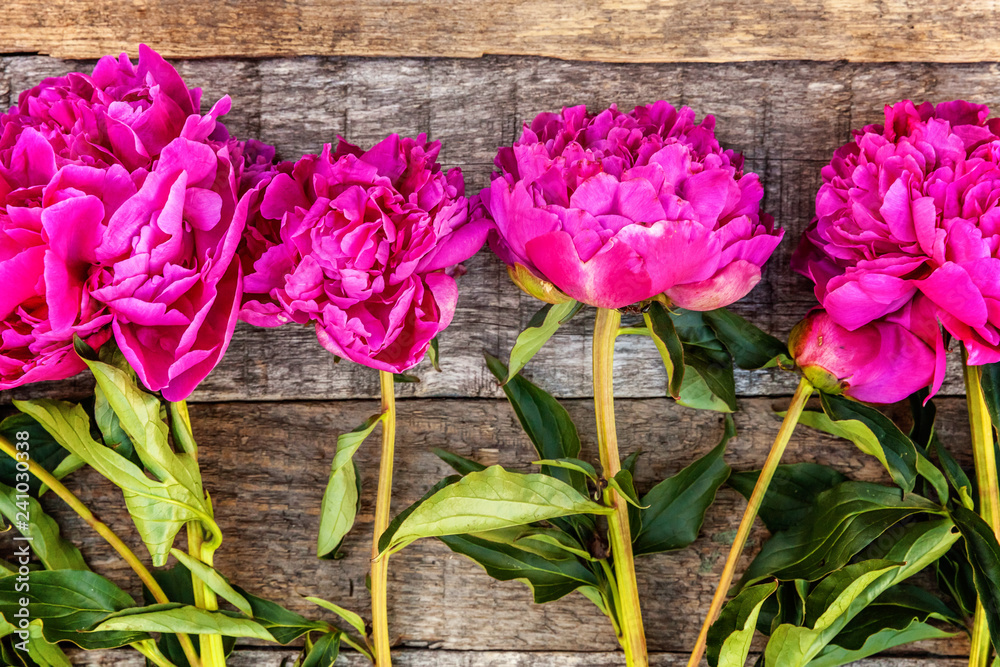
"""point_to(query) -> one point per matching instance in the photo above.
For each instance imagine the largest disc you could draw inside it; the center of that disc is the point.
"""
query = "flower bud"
(881, 362)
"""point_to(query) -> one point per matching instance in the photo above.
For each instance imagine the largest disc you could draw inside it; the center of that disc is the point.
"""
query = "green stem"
(802, 394)
(213, 653)
(152, 653)
(614, 608)
(633, 637)
(633, 331)
(380, 562)
(109, 536)
(986, 478)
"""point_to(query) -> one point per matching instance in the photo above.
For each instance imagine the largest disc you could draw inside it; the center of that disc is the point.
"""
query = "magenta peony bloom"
(49, 227)
(880, 362)
(907, 220)
(172, 281)
(363, 244)
(121, 210)
(119, 114)
(615, 208)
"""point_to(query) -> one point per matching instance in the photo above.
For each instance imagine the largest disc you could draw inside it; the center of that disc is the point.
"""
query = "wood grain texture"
(266, 466)
(608, 30)
(787, 118)
(411, 658)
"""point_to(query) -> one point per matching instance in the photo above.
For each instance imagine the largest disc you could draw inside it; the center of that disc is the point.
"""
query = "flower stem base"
(380, 563)
(632, 634)
(802, 394)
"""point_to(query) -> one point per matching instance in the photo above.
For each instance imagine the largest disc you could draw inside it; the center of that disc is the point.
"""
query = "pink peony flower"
(119, 114)
(907, 221)
(880, 362)
(170, 277)
(121, 209)
(365, 246)
(49, 227)
(615, 208)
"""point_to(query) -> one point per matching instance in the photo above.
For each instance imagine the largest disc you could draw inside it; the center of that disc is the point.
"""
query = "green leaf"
(664, 335)
(730, 636)
(845, 520)
(405, 378)
(984, 555)
(324, 652)
(460, 464)
(543, 540)
(695, 393)
(434, 354)
(569, 464)
(139, 414)
(834, 655)
(935, 477)
(544, 420)
(158, 508)
(622, 483)
(749, 346)
(715, 376)
(352, 618)
(215, 581)
(45, 451)
(174, 617)
(110, 426)
(491, 499)
(955, 577)
(895, 609)
(674, 509)
(284, 625)
(340, 501)
(791, 494)
(795, 646)
(42, 652)
(549, 578)
(155, 655)
(956, 476)
(540, 329)
(843, 595)
(66, 467)
(67, 602)
(712, 366)
(177, 585)
(386, 536)
(874, 434)
(55, 552)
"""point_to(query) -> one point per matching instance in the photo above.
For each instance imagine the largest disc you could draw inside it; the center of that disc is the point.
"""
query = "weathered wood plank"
(786, 117)
(266, 466)
(431, 658)
(641, 31)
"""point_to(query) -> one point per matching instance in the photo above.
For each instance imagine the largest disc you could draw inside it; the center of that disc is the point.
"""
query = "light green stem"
(102, 529)
(380, 562)
(213, 653)
(633, 637)
(802, 394)
(986, 478)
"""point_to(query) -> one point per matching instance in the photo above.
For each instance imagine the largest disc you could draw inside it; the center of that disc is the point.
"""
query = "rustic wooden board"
(410, 658)
(635, 31)
(786, 117)
(266, 465)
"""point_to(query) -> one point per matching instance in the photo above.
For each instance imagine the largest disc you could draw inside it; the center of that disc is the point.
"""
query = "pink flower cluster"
(907, 234)
(614, 208)
(121, 211)
(364, 245)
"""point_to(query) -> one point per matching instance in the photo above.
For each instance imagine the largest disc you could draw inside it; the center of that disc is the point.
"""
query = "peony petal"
(732, 283)
(614, 277)
(951, 288)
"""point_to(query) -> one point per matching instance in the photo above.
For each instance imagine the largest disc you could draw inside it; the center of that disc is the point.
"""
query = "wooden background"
(786, 81)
